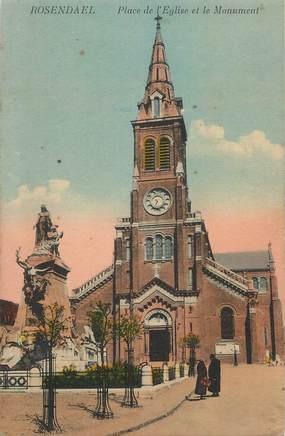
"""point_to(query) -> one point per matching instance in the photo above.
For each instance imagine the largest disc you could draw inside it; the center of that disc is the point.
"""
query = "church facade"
(163, 262)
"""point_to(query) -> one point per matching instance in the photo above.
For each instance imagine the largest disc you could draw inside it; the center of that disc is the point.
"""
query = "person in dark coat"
(214, 372)
(201, 382)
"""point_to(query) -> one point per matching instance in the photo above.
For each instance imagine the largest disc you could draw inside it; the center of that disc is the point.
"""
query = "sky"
(70, 87)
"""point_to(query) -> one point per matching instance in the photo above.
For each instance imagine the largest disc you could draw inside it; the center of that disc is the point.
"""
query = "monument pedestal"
(53, 270)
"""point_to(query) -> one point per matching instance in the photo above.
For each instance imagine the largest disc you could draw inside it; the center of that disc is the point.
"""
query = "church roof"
(164, 285)
(244, 260)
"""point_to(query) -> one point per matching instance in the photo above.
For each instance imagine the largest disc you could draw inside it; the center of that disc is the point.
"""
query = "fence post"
(177, 370)
(165, 373)
(35, 379)
(146, 375)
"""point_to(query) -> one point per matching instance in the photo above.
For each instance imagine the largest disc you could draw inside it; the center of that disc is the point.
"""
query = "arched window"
(263, 284)
(255, 282)
(149, 249)
(168, 248)
(227, 323)
(158, 247)
(149, 155)
(156, 106)
(164, 153)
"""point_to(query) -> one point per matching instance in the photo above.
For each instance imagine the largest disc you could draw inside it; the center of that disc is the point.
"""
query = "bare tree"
(51, 328)
(129, 330)
(101, 323)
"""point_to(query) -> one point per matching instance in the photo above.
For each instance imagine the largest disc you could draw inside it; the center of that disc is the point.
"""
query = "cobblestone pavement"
(251, 404)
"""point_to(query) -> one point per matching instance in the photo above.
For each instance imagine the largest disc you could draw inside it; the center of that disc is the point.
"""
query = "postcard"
(142, 173)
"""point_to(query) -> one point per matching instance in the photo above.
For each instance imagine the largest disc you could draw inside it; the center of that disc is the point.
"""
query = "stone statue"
(43, 225)
(47, 235)
(53, 240)
(35, 286)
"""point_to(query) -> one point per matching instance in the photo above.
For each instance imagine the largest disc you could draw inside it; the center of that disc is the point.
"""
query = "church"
(164, 266)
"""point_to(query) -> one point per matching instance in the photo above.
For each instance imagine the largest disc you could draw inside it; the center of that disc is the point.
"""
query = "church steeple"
(159, 100)
(159, 69)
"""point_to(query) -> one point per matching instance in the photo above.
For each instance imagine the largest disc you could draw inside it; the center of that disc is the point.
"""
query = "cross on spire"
(158, 18)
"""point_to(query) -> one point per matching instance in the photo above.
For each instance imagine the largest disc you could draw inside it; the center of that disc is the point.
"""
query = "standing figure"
(53, 240)
(214, 373)
(235, 357)
(201, 383)
(43, 225)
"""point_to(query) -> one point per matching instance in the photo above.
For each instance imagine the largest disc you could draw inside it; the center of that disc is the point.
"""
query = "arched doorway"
(159, 326)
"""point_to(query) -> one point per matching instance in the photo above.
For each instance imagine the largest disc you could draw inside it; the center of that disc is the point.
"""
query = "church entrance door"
(159, 345)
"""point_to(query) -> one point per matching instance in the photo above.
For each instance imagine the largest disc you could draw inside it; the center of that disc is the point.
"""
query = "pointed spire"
(159, 69)
(159, 100)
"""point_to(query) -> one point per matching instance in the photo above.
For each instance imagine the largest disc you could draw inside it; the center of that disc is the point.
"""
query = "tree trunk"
(51, 392)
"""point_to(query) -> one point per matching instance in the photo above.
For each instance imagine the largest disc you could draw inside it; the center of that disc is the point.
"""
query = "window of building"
(128, 251)
(159, 247)
(227, 323)
(168, 248)
(156, 106)
(190, 246)
(149, 248)
(263, 284)
(149, 154)
(164, 153)
(190, 277)
(260, 283)
(157, 74)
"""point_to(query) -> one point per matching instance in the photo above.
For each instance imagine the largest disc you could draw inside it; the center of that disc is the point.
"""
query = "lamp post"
(271, 306)
(130, 399)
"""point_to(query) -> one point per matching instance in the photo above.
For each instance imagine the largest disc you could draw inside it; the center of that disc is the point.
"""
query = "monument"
(44, 284)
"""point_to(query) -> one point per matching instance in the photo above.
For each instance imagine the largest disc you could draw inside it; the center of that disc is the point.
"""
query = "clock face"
(157, 201)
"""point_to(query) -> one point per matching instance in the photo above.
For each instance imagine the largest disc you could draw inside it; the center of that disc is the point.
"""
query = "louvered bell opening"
(164, 154)
(149, 155)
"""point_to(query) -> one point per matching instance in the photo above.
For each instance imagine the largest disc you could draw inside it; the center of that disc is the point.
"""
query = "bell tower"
(151, 240)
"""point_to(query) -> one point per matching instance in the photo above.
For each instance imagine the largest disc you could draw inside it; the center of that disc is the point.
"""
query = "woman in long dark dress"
(201, 382)
(214, 376)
